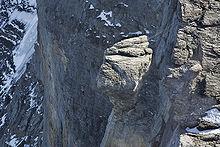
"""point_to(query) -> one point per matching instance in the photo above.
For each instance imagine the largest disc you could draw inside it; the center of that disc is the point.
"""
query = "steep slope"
(20, 91)
(181, 85)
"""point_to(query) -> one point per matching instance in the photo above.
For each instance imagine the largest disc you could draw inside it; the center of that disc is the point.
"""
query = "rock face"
(125, 64)
(121, 77)
(161, 72)
(73, 37)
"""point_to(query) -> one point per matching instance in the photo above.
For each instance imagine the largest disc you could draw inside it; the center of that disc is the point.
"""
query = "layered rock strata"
(121, 77)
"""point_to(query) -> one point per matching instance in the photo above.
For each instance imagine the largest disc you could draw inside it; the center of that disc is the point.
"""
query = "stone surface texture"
(121, 74)
(153, 109)
(121, 78)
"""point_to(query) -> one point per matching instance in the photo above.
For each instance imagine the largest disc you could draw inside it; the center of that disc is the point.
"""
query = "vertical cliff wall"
(175, 93)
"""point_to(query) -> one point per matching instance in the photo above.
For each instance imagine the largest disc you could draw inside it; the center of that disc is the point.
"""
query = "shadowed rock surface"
(181, 83)
(121, 78)
(171, 101)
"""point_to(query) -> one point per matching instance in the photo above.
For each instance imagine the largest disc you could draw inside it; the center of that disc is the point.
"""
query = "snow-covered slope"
(18, 36)
(20, 94)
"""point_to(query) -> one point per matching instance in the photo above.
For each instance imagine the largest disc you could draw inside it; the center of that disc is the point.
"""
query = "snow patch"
(212, 116)
(33, 3)
(118, 25)
(23, 53)
(14, 142)
(131, 33)
(33, 102)
(136, 33)
(3, 120)
(146, 31)
(125, 5)
(91, 7)
(104, 17)
(196, 131)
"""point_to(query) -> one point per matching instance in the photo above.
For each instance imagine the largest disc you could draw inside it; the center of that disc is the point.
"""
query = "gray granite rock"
(121, 74)
(176, 91)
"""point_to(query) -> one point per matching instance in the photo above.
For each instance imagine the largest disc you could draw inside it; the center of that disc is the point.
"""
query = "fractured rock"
(125, 63)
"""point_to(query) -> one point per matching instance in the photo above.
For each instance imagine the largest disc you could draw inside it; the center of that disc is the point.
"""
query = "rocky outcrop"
(121, 77)
(124, 66)
(73, 37)
(193, 81)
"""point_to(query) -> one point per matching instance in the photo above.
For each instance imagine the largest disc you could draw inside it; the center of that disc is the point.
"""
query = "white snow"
(136, 33)
(3, 120)
(103, 16)
(7, 80)
(124, 35)
(14, 142)
(12, 41)
(108, 23)
(32, 3)
(146, 31)
(118, 25)
(153, 40)
(212, 116)
(23, 52)
(33, 103)
(131, 33)
(196, 131)
(91, 7)
(26, 48)
(35, 139)
(126, 5)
